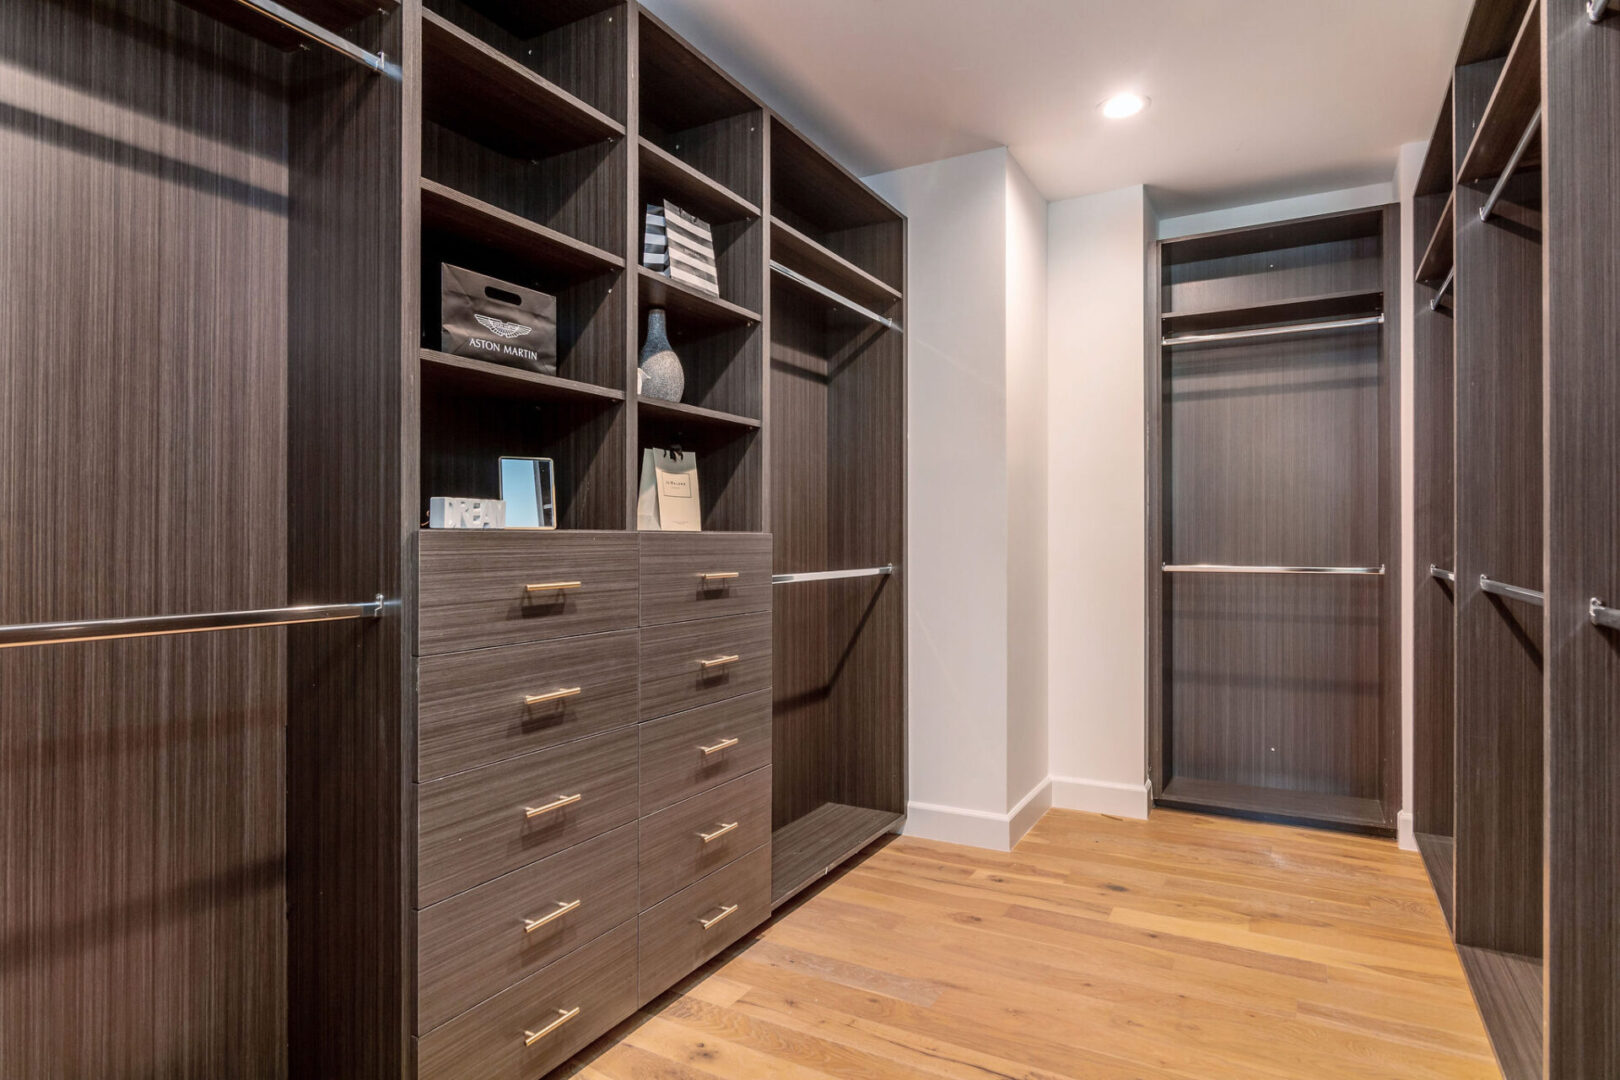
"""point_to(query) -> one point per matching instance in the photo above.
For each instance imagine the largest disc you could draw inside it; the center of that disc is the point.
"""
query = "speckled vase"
(662, 376)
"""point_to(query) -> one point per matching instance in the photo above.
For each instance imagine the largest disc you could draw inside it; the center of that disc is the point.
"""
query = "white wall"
(1407, 167)
(1097, 492)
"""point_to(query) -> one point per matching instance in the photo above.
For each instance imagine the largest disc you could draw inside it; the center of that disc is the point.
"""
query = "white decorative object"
(669, 498)
(466, 514)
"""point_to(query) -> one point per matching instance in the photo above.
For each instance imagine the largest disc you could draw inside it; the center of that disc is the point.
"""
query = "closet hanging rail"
(1273, 331)
(1603, 615)
(1222, 568)
(1512, 592)
(816, 286)
(1443, 575)
(377, 62)
(1512, 166)
(831, 575)
(1445, 287)
(62, 633)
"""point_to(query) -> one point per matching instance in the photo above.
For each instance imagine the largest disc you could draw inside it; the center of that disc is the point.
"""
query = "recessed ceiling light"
(1120, 106)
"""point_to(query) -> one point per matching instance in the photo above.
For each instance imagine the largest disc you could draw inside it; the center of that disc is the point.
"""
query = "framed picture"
(529, 489)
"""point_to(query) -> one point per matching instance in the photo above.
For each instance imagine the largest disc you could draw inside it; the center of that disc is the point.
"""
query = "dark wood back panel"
(1583, 461)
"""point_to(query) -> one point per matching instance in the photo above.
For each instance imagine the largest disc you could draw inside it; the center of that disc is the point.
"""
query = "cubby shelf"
(496, 380)
(1435, 176)
(690, 189)
(527, 19)
(1512, 105)
(687, 304)
(335, 15)
(1438, 256)
(467, 218)
(797, 251)
(806, 850)
(476, 90)
(676, 412)
(1294, 309)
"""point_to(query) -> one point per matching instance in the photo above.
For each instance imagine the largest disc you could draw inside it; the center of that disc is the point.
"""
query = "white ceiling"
(1251, 99)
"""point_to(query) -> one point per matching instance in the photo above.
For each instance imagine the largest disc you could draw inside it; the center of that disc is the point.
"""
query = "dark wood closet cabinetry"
(1517, 677)
(433, 803)
(1273, 540)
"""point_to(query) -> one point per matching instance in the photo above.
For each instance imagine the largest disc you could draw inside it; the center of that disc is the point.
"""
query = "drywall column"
(1407, 167)
(1097, 500)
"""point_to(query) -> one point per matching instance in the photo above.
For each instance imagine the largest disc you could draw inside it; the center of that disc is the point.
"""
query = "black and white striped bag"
(681, 247)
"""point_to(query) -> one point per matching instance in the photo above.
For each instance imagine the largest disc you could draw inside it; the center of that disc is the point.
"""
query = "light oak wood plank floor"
(1185, 947)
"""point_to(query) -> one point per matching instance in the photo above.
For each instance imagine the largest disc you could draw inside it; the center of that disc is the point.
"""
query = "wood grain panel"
(475, 945)
(1582, 461)
(673, 764)
(489, 1042)
(471, 708)
(1507, 989)
(674, 940)
(473, 586)
(474, 827)
(144, 204)
(673, 851)
(673, 588)
(673, 680)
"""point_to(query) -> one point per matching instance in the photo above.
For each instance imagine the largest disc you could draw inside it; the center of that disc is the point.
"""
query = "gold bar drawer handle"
(723, 744)
(556, 804)
(719, 661)
(725, 912)
(563, 908)
(555, 695)
(720, 575)
(553, 586)
(711, 837)
(563, 1016)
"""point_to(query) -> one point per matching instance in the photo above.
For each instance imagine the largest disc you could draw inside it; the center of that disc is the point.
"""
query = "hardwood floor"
(1187, 947)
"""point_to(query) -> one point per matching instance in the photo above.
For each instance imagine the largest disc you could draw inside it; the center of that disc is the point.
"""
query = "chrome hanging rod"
(1512, 592)
(1220, 568)
(1596, 8)
(816, 286)
(831, 575)
(1274, 331)
(1603, 615)
(62, 633)
(1443, 575)
(1445, 286)
(1512, 166)
(376, 62)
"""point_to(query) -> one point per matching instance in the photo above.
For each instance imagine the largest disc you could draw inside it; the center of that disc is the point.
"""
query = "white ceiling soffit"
(1250, 99)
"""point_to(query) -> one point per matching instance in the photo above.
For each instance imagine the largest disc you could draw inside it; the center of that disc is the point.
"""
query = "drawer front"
(475, 945)
(475, 587)
(700, 576)
(685, 665)
(674, 939)
(475, 708)
(735, 818)
(497, 1040)
(691, 752)
(475, 826)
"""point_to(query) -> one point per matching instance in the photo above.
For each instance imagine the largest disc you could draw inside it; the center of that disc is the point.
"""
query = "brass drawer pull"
(719, 661)
(720, 575)
(725, 912)
(723, 744)
(557, 804)
(710, 837)
(555, 695)
(553, 586)
(563, 1016)
(563, 908)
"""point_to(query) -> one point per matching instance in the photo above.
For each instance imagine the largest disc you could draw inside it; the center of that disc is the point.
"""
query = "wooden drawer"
(472, 707)
(703, 575)
(492, 1041)
(674, 852)
(674, 764)
(476, 825)
(474, 586)
(674, 940)
(475, 945)
(674, 677)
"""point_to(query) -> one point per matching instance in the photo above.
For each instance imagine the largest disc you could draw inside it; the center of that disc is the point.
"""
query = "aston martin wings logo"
(505, 329)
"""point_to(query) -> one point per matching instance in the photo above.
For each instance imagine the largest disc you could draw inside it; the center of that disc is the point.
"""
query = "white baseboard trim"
(1102, 796)
(979, 828)
(1405, 832)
